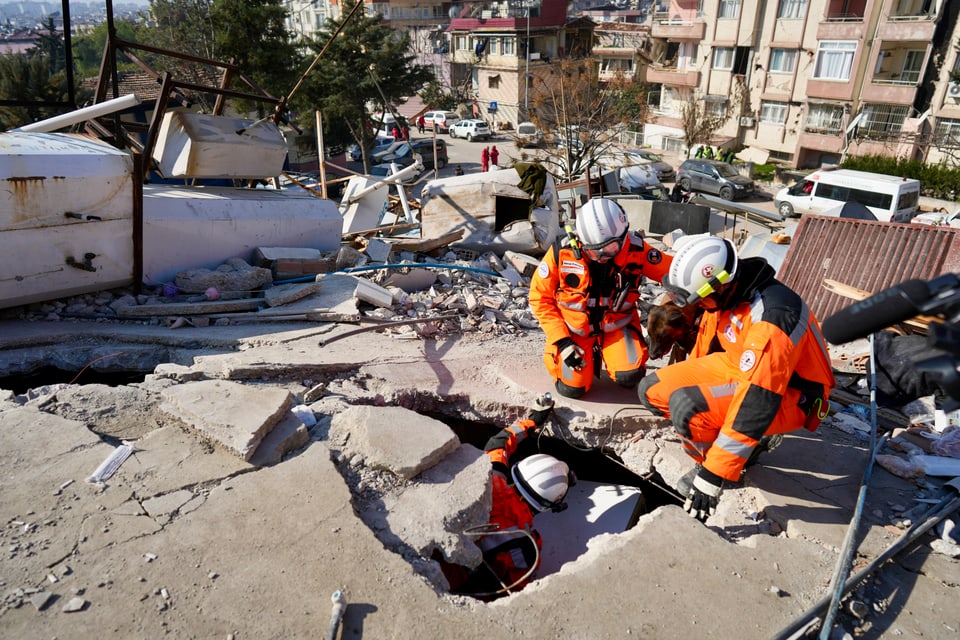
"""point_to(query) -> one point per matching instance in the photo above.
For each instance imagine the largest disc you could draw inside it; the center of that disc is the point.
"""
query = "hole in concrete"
(49, 375)
(607, 498)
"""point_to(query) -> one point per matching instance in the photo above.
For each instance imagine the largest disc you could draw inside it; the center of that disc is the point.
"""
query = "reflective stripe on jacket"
(566, 300)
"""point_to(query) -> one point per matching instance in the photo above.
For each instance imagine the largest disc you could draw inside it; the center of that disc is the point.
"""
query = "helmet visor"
(603, 251)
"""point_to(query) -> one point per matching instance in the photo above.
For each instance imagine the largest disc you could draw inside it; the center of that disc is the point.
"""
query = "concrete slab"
(234, 415)
(450, 497)
(392, 438)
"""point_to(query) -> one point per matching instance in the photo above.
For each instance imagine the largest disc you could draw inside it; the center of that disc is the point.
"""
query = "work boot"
(685, 483)
(766, 443)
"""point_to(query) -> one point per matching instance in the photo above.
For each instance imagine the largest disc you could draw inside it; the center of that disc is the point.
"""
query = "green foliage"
(253, 34)
(88, 48)
(27, 77)
(368, 62)
(936, 180)
(764, 172)
(436, 96)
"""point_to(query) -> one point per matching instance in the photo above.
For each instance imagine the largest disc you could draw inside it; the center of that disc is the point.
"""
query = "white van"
(889, 198)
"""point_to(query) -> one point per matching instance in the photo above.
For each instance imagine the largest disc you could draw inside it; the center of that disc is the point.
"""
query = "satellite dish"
(453, 12)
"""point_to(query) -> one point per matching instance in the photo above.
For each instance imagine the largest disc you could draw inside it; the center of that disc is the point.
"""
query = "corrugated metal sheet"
(863, 254)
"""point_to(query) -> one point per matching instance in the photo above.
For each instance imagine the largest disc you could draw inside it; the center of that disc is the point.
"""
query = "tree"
(88, 47)
(699, 124)
(368, 62)
(581, 116)
(253, 34)
(38, 75)
(185, 26)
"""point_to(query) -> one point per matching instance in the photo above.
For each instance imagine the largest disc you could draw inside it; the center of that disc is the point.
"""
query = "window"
(846, 194)
(880, 119)
(493, 82)
(774, 112)
(783, 60)
(826, 119)
(792, 9)
(616, 40)
(462, 43)
(947, 131)
(912, 63)
(729, 8)
(716, 108)
(834, 60)
(723, 58)
(509, 46)
(493, 46)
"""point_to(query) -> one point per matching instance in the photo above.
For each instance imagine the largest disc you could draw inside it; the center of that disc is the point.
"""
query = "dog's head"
(669, 324)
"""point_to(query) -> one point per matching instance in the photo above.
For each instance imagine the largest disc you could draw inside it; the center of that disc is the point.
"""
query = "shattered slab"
(392, 438)
(447, 499)
(235, 415)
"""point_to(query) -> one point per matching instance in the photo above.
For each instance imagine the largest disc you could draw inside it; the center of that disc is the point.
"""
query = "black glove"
(704, 495)
(570, 353)
(541, 410)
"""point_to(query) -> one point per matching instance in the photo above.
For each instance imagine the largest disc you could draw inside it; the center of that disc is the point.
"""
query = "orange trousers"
(703, 390)
(623, 353)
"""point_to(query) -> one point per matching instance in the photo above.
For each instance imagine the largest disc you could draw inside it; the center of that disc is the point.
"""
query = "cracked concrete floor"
(188, 541)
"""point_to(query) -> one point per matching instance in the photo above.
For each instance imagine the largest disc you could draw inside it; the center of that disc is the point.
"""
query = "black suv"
(713, 176)
(424, 147)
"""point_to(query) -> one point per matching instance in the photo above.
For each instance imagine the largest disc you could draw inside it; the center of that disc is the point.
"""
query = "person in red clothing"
(510, 545)
(494, 156)
(485, 159)
(759, 367)
(584, 294)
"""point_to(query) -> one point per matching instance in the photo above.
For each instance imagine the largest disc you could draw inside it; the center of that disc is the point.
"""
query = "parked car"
(471, 130)
(440, 120)
(385, 169)
(310, 180)
(379, 144)
(399, 152)
(665, 172)
(424, 146)
(528, 135)
(715, 177)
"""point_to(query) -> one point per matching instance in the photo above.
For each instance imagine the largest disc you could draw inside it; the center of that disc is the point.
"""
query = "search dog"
(671, 329)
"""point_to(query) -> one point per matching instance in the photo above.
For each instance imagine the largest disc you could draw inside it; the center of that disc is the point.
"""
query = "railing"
(911, 18)
(844, 17)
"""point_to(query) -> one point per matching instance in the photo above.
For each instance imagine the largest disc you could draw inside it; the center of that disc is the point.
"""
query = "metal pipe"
(80, 115)
(934, 516)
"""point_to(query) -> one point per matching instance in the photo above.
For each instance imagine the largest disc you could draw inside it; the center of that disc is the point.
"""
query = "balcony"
(672, 29)
(896, 29)
(672, 77)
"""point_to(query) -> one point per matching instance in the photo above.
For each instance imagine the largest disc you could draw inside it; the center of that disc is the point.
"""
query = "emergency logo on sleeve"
(729, 333)
(747, 360)
(543, 270)
(654, 256)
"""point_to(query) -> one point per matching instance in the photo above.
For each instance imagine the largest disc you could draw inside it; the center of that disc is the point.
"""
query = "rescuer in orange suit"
(510, 544)
(759, 368)
(584, 295)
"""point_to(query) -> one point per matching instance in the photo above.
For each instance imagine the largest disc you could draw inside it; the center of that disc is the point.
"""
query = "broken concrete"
(233, 275)
(234, 415)
(392, 438)
(789, 516)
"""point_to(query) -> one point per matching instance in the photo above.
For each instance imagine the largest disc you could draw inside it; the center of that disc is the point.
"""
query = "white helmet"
(542, 480)
(701, 263)
(600, 221)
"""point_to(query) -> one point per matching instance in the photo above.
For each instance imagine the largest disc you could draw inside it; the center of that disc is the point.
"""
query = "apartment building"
(621, 49)
(808, 81)
(502, 50)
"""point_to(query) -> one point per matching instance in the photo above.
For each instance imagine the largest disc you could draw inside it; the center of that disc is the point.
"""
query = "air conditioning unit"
(534, 55)
(486, 15)
(954, 90)
(746, 121)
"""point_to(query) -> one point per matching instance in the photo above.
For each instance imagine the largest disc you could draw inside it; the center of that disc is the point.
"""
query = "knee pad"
(685, 403)
(645, 384)
(569, 392)
(629, 379)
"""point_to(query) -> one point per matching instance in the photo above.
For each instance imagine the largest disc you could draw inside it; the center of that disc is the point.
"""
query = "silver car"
(713, 176)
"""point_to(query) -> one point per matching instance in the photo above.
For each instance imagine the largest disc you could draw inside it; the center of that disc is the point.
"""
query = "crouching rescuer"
(510, 545)
(584, 295)
(759, 367)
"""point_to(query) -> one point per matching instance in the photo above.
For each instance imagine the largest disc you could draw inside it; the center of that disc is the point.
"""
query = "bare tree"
(699, 124)
(578, 114)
